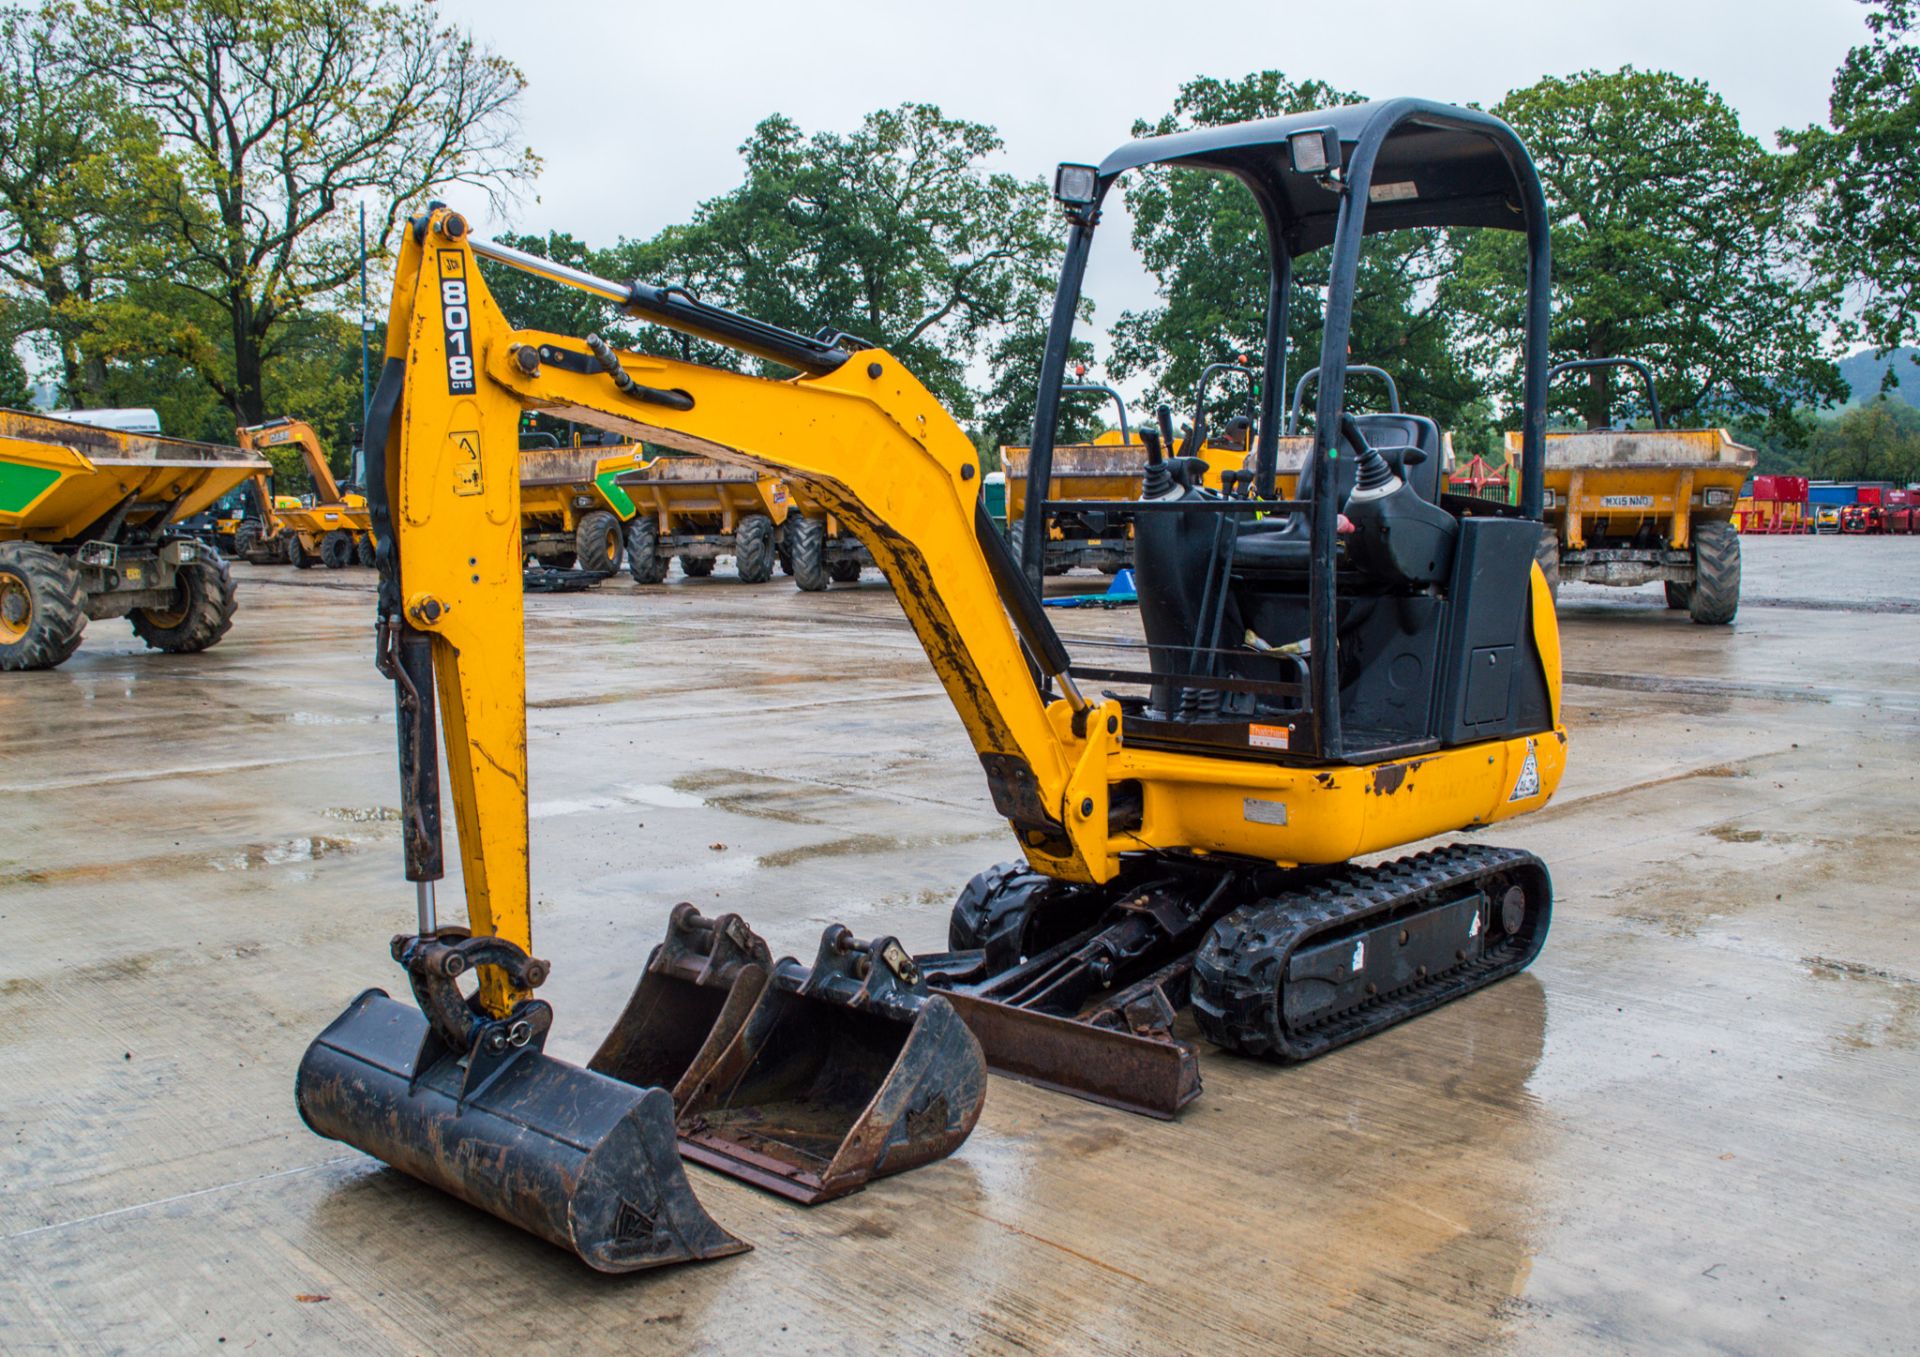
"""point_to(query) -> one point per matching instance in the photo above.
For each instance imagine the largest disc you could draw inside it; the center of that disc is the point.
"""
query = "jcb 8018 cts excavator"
(1367, 664)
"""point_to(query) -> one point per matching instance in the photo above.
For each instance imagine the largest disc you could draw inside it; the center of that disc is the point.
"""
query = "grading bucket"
(841, 1074)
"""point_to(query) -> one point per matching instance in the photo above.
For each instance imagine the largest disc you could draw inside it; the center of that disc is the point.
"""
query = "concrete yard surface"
(1692, 1127)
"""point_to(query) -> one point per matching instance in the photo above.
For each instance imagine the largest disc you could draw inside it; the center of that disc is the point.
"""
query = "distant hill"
(1863, 372)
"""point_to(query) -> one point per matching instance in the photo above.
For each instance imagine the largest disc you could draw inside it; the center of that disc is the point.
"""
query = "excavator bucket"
(472, 1105)
(841, 1074)
(692, 1000)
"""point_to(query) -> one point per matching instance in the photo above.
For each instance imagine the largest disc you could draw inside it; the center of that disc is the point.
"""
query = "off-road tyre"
(753, 549)
(844, 571)
(806, 540)
(203, 610)
(1716, 574)
(363, 550)
(43, 609)
(696, 567)
(297, 555)
(597, 541)
(1679, 596)
(644, 561)
(246, 540)
(336, 550)
(1546, 555)
(1016, 543)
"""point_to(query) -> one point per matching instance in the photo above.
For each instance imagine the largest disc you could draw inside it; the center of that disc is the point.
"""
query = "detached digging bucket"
(841, 1074)
(471, 1105)
(692, 999)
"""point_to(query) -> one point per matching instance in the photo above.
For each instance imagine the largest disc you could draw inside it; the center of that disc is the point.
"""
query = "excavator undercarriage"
(1331, 676)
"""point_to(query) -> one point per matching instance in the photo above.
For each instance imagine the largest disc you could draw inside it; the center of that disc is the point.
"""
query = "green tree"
(1865, 173)
(1200, 235)
(1877, 441)
(67, 205)
(270, 116)
(896, 232)
(16, 392)
(1674, 242)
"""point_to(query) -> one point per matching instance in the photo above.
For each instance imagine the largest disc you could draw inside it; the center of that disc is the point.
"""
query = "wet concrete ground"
(1691, 1127)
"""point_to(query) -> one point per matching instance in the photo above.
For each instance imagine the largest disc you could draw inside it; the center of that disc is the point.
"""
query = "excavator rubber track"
(1297, 975)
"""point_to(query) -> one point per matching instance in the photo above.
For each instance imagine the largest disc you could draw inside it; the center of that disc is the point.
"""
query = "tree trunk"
(1599, 396)
(249, 397)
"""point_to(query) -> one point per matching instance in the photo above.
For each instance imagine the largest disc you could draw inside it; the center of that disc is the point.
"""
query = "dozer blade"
(841, 1074)
(692, 1000)
(471, 1105)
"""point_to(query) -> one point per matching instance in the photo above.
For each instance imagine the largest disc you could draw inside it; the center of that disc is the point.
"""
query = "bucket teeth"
(841, 1073)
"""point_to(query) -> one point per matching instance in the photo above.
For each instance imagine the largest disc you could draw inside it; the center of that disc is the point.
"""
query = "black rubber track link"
(1238, 967)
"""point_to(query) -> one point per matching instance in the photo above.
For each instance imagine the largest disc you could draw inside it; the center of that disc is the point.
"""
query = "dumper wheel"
(246, 538)
(43, 609)
(753, 549)
(297, 554)
(202, 610)
(1716, 574)
(696, 567)
(363, 549)
(806, 545)
(644, 561)
(1679, 596)
(844, 572)
(1547, 556)
(336, 550)
(596, 541)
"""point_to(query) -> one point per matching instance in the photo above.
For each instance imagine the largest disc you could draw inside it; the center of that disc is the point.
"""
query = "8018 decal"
(457, 322)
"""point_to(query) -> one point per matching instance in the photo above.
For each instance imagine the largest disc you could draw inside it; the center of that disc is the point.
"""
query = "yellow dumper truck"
(334, 530)
(1086, 477)
(1628, 507)
(573, 512)
(699, 510)
(89, 529)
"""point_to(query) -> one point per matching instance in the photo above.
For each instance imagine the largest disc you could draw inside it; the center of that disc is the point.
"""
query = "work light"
(1076, 185)
(1314, 151)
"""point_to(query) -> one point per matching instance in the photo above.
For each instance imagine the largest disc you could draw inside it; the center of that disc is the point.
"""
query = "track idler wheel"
(469, 1103)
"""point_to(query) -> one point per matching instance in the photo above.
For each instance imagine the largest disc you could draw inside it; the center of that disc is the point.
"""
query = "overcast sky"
(639, 109)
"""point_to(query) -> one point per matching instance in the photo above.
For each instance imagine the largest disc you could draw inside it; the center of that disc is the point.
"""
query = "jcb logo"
(457, 322)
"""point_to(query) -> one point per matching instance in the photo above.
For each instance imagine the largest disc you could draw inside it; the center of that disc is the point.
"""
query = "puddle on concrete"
(311, 848)
(1735, 834)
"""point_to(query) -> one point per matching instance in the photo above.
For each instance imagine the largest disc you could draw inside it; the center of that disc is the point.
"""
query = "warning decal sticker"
(1529, 783)
(1269, 737)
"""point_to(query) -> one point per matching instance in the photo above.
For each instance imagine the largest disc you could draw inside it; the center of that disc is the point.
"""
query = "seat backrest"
(1386, 431)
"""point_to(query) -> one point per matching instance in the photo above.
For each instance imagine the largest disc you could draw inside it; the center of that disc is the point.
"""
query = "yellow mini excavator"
(1362, 665)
